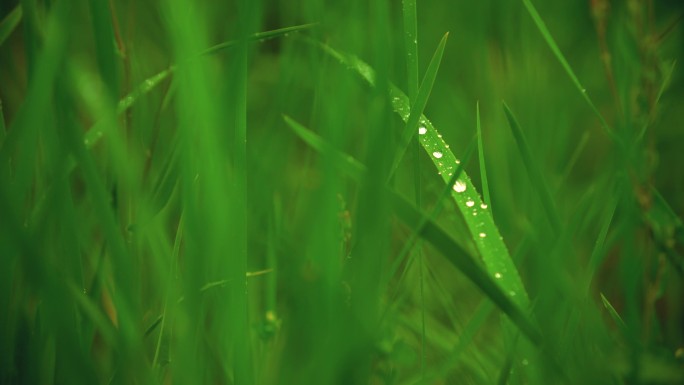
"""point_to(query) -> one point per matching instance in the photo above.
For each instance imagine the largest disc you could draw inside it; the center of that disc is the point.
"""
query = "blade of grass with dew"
(483, 230)
(483, 166)
(10, 23)
(433, 214)
(534, 172)
(566, 66)
(508, 302)
(418, 106)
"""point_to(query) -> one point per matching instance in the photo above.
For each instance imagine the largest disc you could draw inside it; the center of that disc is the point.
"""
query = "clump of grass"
(242, 193)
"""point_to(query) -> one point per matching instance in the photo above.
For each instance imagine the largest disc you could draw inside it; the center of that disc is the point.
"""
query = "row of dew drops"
(433, 147)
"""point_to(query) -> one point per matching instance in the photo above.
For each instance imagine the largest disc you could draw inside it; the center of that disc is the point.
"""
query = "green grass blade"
(667, 229)
(420, 103)
(461, 259)
(508, 302)
(534, 172)
(613, 313)
(105, 48)
(3, 128)
(667, 80)
(478, 218)
(598, 253)
(433, 214)
(348, 163)
(9, 23)
(411, 46)
(483, 166)
(259, 36)
(546, 34)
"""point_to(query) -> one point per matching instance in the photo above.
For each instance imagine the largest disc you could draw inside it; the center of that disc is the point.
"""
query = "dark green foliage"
(278, 192)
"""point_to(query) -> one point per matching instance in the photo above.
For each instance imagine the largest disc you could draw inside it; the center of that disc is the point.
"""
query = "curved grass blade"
(534, 172)
(421, 101)
(566, 66)
(509, 303)
(483, 166)
(9, 23)
(478, 218)
(433, 214)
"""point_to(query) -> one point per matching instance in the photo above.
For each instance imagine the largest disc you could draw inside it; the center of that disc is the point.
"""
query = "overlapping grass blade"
(566, 66)
(483, 231)
(433, 214)
(421, 101)
(534, 172)
(430, 231)
(483, 165)
(9, 23)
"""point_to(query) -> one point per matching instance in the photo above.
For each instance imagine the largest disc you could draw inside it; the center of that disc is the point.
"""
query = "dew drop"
(459, 186)
(482, 235)
(511, 293)
(484, 205)
(470, 203)
(497, 275)
(437, 154)
(422, 130)
(458, 161)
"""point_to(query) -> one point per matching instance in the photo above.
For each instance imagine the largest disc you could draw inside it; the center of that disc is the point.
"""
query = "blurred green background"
(160, 222)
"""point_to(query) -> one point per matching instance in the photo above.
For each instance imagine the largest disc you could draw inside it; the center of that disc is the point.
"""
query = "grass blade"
(259, 36)
(3, 128)
(613, 313)
(420, 103)
(9, 23)
(534, 172)
(411, 46)
(431, 232)
(483, 166)
(566, 66)
(478, 218)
